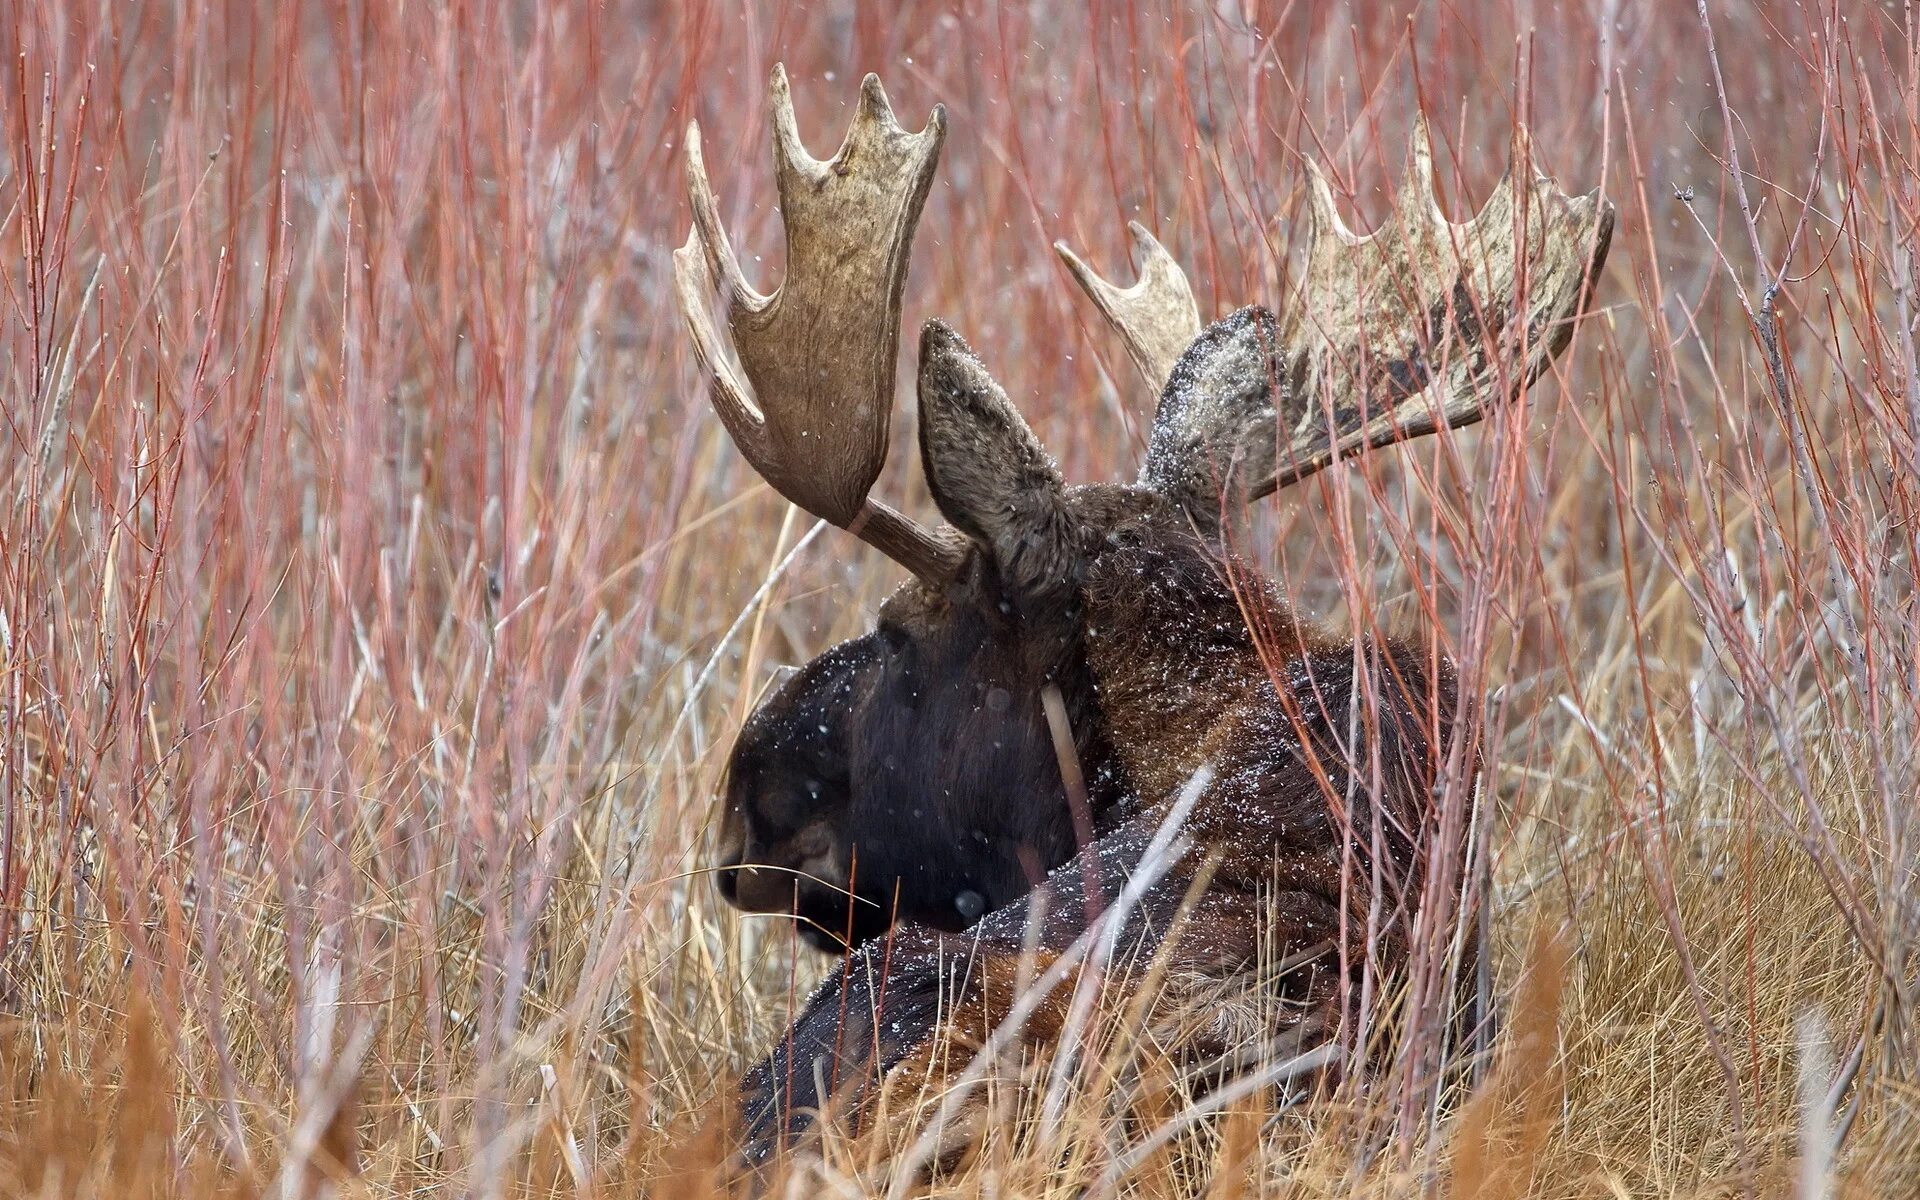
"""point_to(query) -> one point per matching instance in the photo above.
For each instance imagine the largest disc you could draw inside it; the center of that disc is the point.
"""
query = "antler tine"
(1156, 316)
(803, 378)
(1419, 201)
(1325, 217)
(707, 254)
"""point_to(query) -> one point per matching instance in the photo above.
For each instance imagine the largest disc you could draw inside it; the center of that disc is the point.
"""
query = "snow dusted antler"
(1420, 326)
(1417, 327)
(808, 391)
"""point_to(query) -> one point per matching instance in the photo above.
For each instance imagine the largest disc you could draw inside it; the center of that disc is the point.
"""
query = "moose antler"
(1415, 327)
(807, 393)
(1156, 316)
(1390, 336)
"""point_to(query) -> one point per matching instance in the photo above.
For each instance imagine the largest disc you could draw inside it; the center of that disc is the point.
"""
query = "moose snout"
(754, 888)
(750, 888)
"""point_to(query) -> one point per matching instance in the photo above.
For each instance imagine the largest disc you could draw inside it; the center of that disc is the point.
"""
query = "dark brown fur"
(1170, 657)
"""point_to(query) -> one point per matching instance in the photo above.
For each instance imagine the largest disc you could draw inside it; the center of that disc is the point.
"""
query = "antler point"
(1420, 149)
(1419, 194)
(1144, 244)
(1521, 156)
(1326, 216)
(874, 105)
(780, 96)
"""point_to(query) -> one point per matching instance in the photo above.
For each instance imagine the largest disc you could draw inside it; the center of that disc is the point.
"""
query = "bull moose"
(1082, 681)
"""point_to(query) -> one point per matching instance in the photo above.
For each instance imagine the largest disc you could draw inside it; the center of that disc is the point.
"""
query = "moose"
(1082, 692)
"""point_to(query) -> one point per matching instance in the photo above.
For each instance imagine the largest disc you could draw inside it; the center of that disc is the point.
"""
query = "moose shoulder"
(1076, 670)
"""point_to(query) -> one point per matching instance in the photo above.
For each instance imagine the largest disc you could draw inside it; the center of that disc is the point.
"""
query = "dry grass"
(378, 596)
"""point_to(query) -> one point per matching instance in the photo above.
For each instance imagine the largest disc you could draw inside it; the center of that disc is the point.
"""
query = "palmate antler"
(810, 397)
(1393, 335)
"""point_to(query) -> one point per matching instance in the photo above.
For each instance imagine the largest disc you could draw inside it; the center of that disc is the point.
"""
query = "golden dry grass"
(378, 596)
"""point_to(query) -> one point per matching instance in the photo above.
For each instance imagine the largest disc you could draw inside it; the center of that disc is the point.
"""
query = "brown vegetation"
(378, 597)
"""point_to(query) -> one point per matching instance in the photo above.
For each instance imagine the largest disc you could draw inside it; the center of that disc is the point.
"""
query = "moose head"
(934, 768)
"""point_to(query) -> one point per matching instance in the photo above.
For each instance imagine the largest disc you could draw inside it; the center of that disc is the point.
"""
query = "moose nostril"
(727, 878)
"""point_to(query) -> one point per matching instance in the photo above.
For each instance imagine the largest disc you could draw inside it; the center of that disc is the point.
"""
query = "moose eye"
(790, 803)
(970, 904)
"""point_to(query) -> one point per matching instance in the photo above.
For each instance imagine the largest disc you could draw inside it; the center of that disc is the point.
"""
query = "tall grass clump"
(379, 597)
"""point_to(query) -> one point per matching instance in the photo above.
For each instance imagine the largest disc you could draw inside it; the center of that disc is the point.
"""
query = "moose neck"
(1169, 640)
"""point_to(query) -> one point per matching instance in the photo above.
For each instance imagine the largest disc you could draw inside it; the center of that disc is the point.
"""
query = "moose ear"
(1213, 436)
(988, 473)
